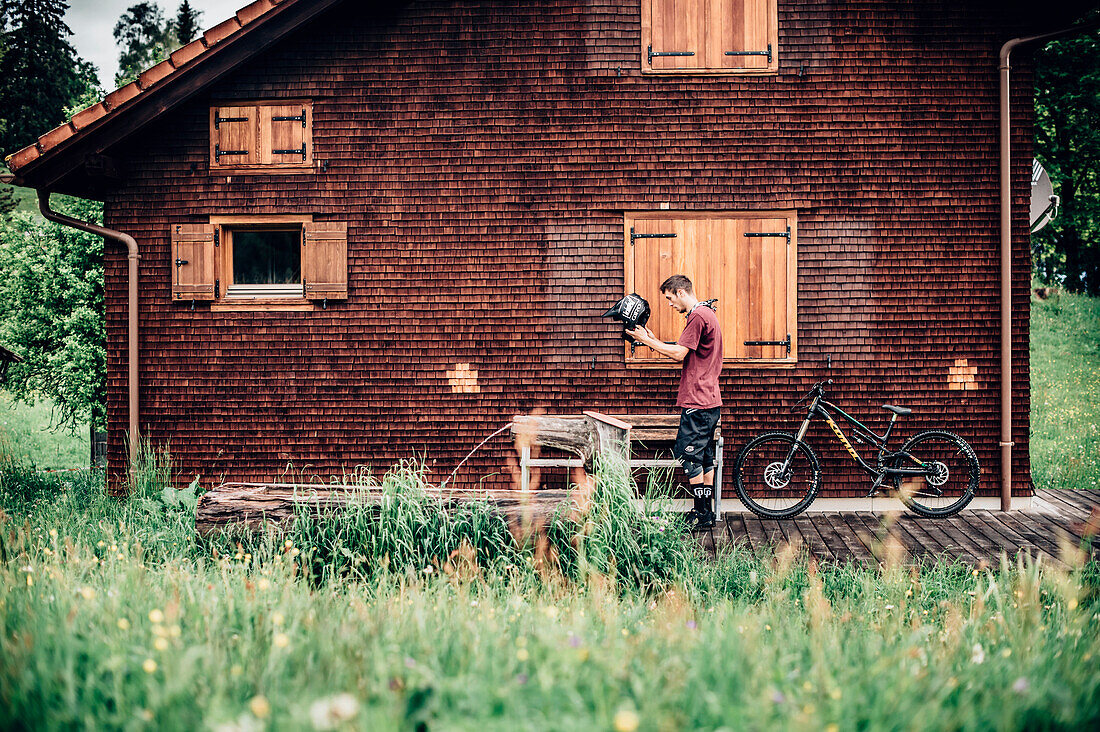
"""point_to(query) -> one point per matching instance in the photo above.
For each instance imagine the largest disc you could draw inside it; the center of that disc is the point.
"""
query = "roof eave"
(60, 167)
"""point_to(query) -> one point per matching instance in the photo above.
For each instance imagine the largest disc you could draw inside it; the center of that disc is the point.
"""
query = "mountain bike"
(777, 475)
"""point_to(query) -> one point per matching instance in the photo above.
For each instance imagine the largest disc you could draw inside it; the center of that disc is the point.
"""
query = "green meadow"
(1065, 392)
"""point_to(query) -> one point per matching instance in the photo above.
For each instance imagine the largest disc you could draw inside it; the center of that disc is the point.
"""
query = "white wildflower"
(328, 713)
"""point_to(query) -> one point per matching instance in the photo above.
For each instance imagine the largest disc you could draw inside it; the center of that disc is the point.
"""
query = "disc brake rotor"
(941, 475)
(773, 476)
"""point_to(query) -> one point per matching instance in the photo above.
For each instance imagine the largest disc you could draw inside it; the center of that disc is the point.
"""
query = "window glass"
(267, 257)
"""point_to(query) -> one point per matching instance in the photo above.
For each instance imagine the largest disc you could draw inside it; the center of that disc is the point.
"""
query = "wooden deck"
(1058, 523)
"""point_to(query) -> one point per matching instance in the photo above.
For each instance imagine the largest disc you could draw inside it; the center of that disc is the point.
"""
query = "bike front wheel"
(953, 474)
(776, 475)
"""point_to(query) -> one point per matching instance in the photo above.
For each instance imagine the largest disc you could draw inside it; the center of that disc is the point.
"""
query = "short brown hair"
(675, 283)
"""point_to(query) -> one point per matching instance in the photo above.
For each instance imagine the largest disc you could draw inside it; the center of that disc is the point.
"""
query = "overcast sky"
(92, 23)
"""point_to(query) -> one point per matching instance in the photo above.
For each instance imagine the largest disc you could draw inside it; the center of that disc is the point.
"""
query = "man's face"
(677, 300)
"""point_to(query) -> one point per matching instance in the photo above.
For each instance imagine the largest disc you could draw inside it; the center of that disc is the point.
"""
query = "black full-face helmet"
(632, 311)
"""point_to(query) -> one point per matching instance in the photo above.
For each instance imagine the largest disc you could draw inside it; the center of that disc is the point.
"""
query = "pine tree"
(144, 38)
(186, 25)
(39, 71)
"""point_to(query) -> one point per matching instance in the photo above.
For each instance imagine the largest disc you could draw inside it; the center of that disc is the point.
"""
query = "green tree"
(39, 71)
(186, 25)
(51, 312)
(144, 39)
(1067, 142)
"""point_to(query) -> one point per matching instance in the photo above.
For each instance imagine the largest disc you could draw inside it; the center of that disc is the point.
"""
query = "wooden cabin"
(375, 232)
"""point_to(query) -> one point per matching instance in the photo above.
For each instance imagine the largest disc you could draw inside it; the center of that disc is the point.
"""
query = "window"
(710, 36)
(746, 260)
(262, 136)
(263, 261)
(260, 261)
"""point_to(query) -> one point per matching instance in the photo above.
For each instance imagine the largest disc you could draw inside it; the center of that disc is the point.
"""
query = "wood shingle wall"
(483, 155)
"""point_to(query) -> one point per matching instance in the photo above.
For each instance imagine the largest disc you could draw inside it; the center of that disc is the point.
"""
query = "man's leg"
(702, 488)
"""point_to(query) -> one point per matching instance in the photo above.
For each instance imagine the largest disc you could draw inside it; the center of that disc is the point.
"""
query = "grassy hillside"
(1065, 392)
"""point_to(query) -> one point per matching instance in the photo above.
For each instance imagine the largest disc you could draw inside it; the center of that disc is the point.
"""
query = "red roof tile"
(188, 52)
(86, 116)
(221, 31)
(56, 136)
(120, 96)
(19, 159)
(155, 74)
(249, 13)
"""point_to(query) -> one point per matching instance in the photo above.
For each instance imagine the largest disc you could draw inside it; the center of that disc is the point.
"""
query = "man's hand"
(643, 335)
(646, 337)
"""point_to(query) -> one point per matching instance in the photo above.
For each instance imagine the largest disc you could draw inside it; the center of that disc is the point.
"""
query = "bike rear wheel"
(954, 479)
(777, 475)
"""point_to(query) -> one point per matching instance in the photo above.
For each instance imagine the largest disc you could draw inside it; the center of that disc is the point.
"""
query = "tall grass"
(406, 528)
(113, 616)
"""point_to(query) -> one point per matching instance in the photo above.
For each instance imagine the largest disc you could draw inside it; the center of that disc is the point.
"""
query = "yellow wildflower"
(260, 706)
(156, 616)
(626, 720)
(149, 666)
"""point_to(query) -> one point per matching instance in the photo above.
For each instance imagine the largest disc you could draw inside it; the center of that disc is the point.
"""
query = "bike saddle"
(900, 411)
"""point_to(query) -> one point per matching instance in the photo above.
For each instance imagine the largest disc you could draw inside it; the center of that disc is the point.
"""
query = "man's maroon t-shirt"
(699, 379)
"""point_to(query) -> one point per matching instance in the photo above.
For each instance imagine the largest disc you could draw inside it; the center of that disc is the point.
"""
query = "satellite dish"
(1044, 204)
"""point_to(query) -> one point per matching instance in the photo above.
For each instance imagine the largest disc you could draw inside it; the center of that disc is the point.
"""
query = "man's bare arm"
(672, 350)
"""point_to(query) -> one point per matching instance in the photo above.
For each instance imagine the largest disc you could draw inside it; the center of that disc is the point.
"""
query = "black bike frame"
(820, 408)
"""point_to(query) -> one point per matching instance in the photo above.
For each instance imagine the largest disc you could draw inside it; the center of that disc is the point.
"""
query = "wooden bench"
(647, 431)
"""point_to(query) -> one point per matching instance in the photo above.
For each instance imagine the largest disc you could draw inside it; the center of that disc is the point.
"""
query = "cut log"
(586, 435)
(252, 505)
(571, 434)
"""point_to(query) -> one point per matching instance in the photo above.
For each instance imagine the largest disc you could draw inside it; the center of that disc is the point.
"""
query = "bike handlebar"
(818, 388)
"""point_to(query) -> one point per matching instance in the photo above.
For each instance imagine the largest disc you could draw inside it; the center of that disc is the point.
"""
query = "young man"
(699, 397)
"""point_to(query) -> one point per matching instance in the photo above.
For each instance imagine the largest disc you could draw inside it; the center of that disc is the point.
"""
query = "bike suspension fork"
(802, 430)
(798, 438)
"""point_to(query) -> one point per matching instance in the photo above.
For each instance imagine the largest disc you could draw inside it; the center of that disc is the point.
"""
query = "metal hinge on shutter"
(218, 120)
(785, 234)
(217, 237)
(217, 289)
(651, 53)
(767, 53)
(297, 118)
(634, 236)
(786, 343)
(295, 151)
(218, 152)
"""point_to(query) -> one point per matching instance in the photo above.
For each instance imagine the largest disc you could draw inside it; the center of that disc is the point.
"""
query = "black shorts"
(695, 448)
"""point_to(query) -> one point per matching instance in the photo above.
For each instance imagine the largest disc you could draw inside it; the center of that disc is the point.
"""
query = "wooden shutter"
(233, 137)
(745, 28)
(325, 260)
(753, 278)
(712, 36)
(764, 294)
(673, 33)
(193, 262)
(285, 135)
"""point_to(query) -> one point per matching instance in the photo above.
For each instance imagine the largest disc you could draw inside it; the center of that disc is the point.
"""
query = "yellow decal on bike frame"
(843, 440)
